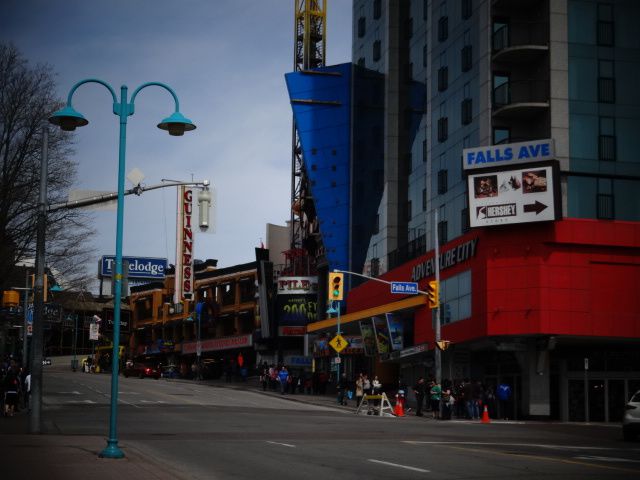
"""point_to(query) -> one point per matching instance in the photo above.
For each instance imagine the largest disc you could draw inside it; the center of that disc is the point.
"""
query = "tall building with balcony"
(533, 304)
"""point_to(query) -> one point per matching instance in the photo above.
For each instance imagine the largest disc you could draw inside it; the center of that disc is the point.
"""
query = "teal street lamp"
(68, 119)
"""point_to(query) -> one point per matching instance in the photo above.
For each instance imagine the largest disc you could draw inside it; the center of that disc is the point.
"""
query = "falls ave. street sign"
(404, 287)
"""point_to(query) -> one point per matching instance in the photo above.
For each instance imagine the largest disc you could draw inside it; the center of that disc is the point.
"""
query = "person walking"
(283, 377)
(504, 400)
(359, 389)
(342, 389)
(435, 394)
(446, 400)
(11, 391)
(420, 390)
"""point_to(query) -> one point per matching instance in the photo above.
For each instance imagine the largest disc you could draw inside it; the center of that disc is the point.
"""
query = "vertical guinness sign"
(184, 246)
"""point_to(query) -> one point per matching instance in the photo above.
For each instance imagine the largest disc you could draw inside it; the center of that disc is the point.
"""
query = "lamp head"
(176, 124)
(68, 119)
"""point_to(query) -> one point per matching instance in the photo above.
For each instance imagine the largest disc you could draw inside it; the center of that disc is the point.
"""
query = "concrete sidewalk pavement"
(52, 456)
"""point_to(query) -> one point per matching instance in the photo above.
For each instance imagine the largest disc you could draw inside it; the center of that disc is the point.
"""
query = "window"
(376, 50)
(501, 135)
(606, 82)
(466, 9)
(500, 38)
(361, 62)
(455, 297)
(607, 139)
(442, 182)
(466, 59)
(424, 199)
(362, 27)
(501, 90)
(377, 9)
(464, 219)
(408, 78)
(442, 232)
(466, 115)
(606, 33)
(443, 78)
(443, 129)
(443, 29)
(605, 206)
(605, 200)
(424, 151)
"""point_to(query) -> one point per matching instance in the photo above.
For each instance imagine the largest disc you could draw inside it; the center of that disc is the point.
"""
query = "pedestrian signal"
(336, 286)
(433, 294)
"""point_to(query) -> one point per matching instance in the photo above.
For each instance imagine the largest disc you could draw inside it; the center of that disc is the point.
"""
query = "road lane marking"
(69, 393)
(607, 459)
(283, 444)
(540, 458)
(80, 401)
(497, 444)
(397, 465)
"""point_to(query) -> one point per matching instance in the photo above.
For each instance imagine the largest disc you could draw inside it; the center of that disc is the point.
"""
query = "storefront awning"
(410, 302)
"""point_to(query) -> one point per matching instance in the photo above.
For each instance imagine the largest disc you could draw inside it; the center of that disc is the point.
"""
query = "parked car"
(140, 370)
(631, 419)
(170, 371)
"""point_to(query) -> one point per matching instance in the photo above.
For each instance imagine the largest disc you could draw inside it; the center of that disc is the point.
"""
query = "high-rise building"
(514, 124)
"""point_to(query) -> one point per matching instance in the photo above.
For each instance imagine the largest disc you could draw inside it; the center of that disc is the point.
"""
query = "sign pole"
(437, 352)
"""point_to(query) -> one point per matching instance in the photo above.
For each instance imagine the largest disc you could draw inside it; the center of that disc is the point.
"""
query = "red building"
(553, 309)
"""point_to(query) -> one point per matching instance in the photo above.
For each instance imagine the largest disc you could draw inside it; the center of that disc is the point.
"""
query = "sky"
(226, 61)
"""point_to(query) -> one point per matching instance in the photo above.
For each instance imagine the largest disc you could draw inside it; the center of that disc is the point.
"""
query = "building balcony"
(521, 99)
(520, 42)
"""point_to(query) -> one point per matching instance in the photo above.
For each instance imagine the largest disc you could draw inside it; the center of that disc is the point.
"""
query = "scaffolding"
(309, 53)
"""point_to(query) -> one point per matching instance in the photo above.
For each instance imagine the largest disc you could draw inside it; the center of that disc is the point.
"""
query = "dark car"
(140, 370)
(170, 371)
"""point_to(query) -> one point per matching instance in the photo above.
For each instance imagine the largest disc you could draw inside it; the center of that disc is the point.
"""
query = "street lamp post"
(69, 119)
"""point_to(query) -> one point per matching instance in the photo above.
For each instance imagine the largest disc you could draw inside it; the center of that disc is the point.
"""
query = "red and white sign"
(224, 343)
(292, 331)
(184, 245)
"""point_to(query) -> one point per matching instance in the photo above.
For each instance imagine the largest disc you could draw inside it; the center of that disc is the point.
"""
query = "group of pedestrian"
(464, 399)
(15, 387)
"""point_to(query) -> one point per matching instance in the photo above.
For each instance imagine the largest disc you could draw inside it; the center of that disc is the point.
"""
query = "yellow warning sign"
(338, 343)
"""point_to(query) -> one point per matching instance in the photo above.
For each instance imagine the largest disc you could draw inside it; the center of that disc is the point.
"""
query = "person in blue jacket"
(283, 376)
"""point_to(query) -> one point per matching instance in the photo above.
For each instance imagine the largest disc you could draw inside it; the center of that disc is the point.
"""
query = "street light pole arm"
(157, 84)
(91, 80)
(85, 202)
(371, 278)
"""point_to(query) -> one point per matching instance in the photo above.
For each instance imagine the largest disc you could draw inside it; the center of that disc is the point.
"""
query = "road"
(201, 431)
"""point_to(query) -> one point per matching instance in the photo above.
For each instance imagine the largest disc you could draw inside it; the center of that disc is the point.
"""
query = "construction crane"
(310, 28)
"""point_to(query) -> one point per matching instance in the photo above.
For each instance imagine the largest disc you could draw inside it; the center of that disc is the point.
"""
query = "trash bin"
(74, 364)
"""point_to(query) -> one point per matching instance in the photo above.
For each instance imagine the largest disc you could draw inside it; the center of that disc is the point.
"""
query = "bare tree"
(27, 99)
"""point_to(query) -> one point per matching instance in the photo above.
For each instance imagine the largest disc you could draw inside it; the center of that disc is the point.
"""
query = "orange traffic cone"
(485, 415)
(398, 409)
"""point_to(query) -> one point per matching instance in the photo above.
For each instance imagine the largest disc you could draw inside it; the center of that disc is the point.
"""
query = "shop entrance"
(599, 399)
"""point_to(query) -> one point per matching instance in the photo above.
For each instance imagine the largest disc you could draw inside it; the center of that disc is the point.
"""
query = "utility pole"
(437, 352)
(35, 424)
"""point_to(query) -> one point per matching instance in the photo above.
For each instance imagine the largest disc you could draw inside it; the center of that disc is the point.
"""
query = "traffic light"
(336, 286)
(443, 344)
(433, 294)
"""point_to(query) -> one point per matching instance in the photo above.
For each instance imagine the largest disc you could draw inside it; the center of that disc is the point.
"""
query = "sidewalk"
(68, 457)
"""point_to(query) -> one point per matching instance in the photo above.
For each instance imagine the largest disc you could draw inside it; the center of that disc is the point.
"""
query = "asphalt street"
(197, 430)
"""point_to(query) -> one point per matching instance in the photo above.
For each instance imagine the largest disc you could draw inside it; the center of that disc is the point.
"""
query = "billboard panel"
(508, 154)
(368, 337)
(513, 196)
(382, 335)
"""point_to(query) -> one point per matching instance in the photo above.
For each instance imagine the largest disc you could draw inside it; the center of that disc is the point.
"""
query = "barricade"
(368, 406)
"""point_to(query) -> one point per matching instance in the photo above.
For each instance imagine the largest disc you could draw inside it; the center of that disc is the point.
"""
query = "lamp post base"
(112, 450)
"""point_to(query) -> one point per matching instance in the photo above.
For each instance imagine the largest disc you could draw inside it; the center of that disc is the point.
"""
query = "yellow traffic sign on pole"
(338, 343)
